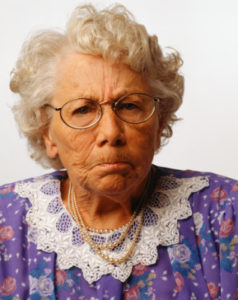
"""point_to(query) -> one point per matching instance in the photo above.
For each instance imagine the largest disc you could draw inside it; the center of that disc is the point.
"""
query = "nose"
(110, 129)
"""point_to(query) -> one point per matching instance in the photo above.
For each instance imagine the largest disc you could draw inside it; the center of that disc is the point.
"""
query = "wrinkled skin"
(108, 164)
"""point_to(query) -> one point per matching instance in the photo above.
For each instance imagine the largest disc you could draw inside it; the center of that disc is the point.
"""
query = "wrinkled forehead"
(83, 75)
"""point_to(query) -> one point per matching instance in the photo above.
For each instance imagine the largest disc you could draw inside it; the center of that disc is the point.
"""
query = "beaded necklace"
(85, 231)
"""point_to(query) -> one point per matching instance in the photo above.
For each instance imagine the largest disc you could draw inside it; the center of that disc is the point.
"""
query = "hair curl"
(111, 33)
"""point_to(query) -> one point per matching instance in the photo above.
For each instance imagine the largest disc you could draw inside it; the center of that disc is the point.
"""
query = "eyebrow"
(118, 95)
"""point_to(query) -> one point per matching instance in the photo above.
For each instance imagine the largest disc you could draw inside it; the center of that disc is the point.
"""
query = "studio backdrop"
(205, 34)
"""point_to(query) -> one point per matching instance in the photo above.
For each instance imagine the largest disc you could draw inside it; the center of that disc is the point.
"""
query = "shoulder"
(9, 187)
(219, 187)
(216, 200)
(214, 206)
(191, 173)
(15, 196)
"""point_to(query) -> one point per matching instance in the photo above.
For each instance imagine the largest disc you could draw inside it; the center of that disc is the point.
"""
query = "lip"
(113, 165)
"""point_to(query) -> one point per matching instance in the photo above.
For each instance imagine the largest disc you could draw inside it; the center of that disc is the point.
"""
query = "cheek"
(74, 147)
(143, 142)
(150, 134)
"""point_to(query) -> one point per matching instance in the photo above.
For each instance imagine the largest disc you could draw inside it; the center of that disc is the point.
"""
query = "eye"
(128, 106)
(82, 107)
(82, 110)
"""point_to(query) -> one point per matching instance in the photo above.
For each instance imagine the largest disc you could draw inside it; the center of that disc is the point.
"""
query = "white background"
(204, 31)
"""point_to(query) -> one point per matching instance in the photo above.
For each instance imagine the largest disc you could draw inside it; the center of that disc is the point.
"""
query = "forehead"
(82, 75)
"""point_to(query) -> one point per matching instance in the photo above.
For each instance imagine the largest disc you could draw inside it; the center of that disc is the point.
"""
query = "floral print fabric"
(203, 265)
(55, 230)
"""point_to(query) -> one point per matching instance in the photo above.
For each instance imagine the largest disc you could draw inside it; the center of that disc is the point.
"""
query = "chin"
(112, 185)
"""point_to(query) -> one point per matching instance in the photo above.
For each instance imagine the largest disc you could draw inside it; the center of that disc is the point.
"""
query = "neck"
(100, 211)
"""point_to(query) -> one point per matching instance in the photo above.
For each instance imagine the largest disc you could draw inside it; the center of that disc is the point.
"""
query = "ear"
(50, 145)
(158, 140)
(159, 131)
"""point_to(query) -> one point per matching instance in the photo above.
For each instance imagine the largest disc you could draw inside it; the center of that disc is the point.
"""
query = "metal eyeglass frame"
(114, 104)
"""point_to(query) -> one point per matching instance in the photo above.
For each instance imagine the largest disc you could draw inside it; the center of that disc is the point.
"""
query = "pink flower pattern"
(6, 233)
(132, 294)
(213, 289)
(227, 227)
(60, 277)
(179, 281)
(139, 269)
(6, 190)
(8, 286)
(173, 274)
(235, 187)
(219, 194)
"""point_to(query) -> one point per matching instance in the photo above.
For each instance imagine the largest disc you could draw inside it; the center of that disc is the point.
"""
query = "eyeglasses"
(83, 113)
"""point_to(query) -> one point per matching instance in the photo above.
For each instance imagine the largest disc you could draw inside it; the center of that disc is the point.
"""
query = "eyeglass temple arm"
(51, 106)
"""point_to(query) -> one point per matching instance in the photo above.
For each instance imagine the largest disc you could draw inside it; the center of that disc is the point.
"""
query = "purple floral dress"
(187, 249)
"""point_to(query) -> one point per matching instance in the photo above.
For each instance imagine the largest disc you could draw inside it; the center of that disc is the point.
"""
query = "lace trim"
(54, 230)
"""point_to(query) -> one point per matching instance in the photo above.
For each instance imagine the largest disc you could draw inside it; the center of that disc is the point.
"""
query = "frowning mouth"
(117, 166)
(113, 164)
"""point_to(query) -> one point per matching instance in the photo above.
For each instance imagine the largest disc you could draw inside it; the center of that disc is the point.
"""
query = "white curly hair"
(111, 33)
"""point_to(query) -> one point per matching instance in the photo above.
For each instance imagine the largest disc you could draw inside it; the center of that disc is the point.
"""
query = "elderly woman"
(98, 102)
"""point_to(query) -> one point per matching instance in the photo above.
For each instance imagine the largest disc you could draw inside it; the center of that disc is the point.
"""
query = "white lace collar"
(54, 230)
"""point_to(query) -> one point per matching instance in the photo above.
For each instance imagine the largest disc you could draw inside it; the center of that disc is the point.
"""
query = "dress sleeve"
(13, 245)
(228, 240)
(216, 226)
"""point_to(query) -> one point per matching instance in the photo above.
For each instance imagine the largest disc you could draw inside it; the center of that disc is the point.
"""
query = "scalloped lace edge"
(42, 225)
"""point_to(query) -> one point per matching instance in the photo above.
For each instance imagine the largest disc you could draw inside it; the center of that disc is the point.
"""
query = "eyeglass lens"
(82, 113)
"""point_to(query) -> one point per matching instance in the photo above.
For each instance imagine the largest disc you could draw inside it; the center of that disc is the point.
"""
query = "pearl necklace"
(94, 230)
(98, 248)
(79, 218)
(85, 231)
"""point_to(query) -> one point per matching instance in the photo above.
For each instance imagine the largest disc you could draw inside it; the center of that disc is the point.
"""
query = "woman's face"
(112, 157)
